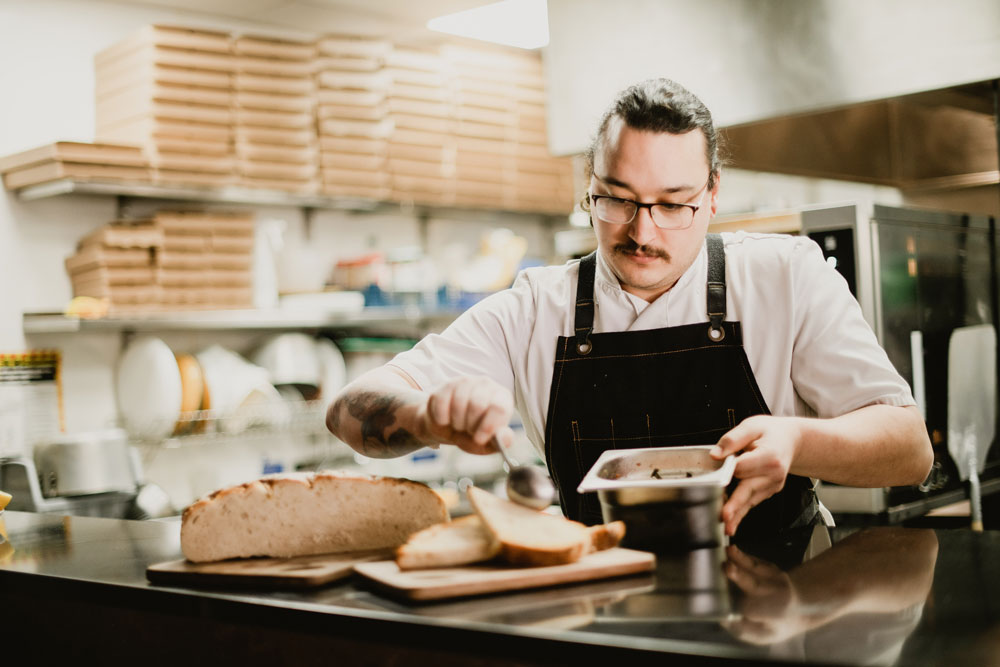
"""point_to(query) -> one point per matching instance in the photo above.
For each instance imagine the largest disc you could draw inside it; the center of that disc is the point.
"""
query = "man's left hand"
(766, 446)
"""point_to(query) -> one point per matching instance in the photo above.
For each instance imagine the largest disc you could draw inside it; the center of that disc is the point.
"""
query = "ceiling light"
(520, 23)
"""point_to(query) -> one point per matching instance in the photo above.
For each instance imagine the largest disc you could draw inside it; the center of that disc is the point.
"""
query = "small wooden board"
(299, 572)
(453, 582)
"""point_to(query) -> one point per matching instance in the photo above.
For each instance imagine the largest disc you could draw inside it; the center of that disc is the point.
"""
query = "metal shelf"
(254, 197)
(225, 194)
(240, 320)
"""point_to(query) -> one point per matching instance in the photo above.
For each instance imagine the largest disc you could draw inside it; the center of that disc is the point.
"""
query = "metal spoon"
(527, 485)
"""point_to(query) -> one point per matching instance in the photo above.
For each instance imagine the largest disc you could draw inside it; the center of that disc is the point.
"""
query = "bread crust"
(297, 514)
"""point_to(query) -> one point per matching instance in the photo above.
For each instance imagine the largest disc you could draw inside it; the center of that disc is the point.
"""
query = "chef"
(666, 335)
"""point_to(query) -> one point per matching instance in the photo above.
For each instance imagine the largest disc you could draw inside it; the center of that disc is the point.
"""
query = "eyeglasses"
(618, 211)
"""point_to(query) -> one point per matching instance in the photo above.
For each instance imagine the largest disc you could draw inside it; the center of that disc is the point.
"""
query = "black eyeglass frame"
(638, 205)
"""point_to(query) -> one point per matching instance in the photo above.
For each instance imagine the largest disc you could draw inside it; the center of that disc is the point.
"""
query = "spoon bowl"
(527, 485)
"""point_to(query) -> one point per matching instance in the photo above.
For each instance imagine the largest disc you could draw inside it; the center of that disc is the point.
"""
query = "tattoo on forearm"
(377, 415)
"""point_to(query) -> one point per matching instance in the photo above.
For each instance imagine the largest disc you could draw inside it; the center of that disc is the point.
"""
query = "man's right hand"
(468, 412)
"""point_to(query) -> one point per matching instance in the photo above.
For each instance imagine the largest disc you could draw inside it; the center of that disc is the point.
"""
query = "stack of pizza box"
(206, 260)
(275, 129)
(176, 261)
(352, 116)
(117, 262)
(542, 181)
(485, 114)
(170, 90)
(421, 146)
(71, 159)
(501, 146)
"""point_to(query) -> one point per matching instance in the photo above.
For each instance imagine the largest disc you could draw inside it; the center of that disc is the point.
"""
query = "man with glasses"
(666, 335)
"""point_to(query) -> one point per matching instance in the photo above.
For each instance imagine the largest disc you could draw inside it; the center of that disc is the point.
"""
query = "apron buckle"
(584, 347)
(714, 334)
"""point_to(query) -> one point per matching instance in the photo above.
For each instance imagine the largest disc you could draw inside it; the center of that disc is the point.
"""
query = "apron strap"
(716, 286)
(584, 316)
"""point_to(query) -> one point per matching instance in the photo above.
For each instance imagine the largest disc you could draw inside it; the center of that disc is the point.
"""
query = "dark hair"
(661, 105)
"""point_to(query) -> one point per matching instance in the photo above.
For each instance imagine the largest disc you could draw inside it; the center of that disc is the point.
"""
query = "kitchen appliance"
(670, 498)
(92, 473)
(919, 277)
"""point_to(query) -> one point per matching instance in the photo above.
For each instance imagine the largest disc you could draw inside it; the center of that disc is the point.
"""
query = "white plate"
(332, 367)
(148, 388)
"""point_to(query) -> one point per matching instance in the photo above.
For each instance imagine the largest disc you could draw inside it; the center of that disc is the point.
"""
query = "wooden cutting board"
(300, 572)
(452, 582)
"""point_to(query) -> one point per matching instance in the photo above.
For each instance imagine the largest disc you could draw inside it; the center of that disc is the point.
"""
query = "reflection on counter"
(855, 601)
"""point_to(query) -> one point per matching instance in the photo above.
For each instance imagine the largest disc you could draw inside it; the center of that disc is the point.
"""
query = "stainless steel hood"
(930, 142)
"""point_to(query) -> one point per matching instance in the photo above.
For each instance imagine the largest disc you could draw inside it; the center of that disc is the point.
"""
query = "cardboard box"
(348, 63)
(353, 45)
(249, 150)
(175, 177)
(147, 129)
(280, 136)
(379, 192)
(357, 98)
(234, 261)
(335, 161)
(177, 37)
(274, 67)
(360, 145)
(356, 128)
(402, 121)
(274, 119)
(184, 277)
(74, 151)
(94, 256)
(192, 162)
(297, 187)
(278, 170)
(54, 171)
(141, 234)
(340, 80)
(368, 179)
(130, 275)
(262, 83)
(142, 93)
(260, 46)
(374, 113)
(180, 259)
(249, 99)
(109, 82)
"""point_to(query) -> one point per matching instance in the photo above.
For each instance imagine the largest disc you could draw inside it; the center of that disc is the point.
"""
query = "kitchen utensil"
(76, 464)
(452, 582)
(148, 389)
(300, 572)
(527, 485)
(972, 385)
(670, 498)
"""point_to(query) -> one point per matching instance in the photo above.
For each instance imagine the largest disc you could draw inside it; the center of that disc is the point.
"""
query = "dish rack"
(285, 418)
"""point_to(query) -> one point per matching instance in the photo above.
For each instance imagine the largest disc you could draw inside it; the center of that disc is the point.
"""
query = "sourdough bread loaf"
(299, 514)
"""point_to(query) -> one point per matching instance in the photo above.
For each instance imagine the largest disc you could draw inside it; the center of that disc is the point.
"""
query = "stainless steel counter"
(882, 595)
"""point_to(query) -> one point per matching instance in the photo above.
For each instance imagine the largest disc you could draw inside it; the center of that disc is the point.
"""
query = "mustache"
(630, 247)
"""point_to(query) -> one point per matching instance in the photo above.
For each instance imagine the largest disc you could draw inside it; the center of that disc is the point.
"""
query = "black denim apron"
(685, 385)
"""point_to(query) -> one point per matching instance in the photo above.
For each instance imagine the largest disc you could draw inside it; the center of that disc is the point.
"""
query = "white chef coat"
(810, 349)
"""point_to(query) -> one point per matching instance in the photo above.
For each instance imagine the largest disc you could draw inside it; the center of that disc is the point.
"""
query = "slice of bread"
(527, 536)
(457, 542)
(300, 514)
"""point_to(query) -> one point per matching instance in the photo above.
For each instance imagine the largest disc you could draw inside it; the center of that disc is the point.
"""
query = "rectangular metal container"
(670, 498)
